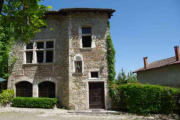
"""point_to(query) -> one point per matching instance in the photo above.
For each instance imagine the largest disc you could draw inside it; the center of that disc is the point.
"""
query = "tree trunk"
(1, 5)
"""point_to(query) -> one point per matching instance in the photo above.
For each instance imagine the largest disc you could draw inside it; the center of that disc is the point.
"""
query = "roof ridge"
(161, 60)
(159, 63)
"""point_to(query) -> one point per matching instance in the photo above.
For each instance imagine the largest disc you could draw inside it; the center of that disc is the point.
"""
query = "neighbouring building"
(66, 60)
(163, 72)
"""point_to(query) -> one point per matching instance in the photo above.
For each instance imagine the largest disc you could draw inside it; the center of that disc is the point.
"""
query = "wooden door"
(96, 95)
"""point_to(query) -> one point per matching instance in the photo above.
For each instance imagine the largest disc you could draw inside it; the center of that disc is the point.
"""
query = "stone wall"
(93, 58)
(56, 72)
(72, 90)
(167, 76)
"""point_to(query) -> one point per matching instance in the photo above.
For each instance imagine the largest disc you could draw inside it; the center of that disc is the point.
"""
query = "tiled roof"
(68, 10)
(160, 63)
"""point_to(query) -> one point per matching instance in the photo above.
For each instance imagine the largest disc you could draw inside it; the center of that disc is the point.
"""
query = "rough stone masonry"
(65, 32)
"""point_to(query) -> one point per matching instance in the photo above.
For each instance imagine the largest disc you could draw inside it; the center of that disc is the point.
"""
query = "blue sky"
(139, 28)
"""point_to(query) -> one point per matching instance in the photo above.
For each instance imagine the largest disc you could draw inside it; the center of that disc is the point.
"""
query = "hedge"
(144, 99)
(28, 102)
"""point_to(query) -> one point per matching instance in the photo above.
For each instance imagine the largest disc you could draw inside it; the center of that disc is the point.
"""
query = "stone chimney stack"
(145, 62)
(176, 49)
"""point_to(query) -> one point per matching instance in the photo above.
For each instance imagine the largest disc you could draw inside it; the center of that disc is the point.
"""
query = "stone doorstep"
(94, 111)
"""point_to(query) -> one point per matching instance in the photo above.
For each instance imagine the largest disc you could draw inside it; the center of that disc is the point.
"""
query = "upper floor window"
(29, 53)
(86, 37)
(78, 66)
(39, 52)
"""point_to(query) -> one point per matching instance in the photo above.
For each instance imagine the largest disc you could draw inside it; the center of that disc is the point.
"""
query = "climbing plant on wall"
(110, 59)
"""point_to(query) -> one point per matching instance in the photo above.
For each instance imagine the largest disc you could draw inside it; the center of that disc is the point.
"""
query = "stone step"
(94, 112)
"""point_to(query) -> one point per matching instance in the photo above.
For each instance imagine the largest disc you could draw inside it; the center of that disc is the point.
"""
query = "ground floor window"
(24, 89)
(47, 89)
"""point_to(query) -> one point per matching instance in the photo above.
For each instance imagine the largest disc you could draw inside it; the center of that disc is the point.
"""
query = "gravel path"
(59, 114)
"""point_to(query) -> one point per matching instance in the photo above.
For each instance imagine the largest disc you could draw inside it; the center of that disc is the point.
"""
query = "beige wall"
(56, 72)
(71, 90)
(94, 59)
(168, 76)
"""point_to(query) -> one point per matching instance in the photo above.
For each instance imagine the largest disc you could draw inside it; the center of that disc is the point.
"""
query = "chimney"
(145, 62)
(176, 49)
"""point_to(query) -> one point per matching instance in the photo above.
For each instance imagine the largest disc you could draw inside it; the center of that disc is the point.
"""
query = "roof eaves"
(142, 69)
(64, 11)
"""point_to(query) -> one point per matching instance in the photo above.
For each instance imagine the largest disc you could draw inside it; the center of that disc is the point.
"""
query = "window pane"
(86, 41)
(40, 45)
(40, 56)
(49, 56)
(29, 46)
(50, 44)
(78, 66)
(94, 75)
(86, 30)
(29, 57)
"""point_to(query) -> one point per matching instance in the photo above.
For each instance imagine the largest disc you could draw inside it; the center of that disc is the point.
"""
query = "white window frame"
(90, 77)
(34, 50)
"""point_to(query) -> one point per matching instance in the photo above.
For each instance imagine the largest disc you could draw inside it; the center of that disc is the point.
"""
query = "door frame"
(105, 91)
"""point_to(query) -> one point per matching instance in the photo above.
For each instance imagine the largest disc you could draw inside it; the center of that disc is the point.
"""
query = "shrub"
(144, 99)
(6, 97)
(28, 102)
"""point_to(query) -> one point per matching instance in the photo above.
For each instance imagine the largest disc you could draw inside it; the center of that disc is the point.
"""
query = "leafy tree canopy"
(20, 20)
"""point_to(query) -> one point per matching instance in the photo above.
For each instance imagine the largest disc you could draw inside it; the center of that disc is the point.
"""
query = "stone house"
(66, 60)
(163, 72)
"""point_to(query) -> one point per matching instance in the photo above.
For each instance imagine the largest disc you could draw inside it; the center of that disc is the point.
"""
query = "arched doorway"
(24, 89)
(47, 89)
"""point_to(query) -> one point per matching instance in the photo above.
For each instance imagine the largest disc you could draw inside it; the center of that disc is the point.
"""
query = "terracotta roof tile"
(160, 63)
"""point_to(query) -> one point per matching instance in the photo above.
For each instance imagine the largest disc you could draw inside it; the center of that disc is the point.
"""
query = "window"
(40, 56)
(40, 52)
(40, 45)
(47, 89)
(86, 37)
(49, 56)
(29, 57)
(78, 66)
(49, 44)
(94, 74)
(24, 89)
(29, 46)
(86, 30)
(29, 53)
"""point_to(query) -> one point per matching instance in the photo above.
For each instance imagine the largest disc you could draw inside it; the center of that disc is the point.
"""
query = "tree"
(123, 78)
(20, 20)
